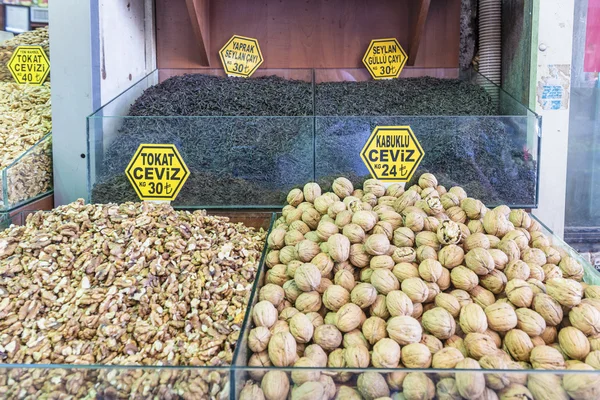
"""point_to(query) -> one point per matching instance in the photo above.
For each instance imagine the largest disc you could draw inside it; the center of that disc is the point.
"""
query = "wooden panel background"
(307, 33)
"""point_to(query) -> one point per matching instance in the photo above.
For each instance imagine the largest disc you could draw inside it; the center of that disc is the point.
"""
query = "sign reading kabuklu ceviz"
(392, 153)
(157, 172)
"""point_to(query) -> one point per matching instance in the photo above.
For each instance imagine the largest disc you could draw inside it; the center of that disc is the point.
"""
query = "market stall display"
(26, 159)
(250, 133)
(375, 278)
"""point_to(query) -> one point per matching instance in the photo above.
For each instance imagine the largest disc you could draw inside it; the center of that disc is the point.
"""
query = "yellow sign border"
(400, 68)
(237, 73)
(372, 136)
(157, 146)
(14, 54)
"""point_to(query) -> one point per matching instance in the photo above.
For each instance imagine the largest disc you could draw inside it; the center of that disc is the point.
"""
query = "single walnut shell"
(539, 240)
(363, 295)
(574, 343)
(365, 274)
(432, 290)
(354, 233)
(520, 218)
(398, 303)
(439, 322)
(482, 296)
(335, 297)
(348, 317)
(463, 278)
(426, 252)
(430, 270)
(346, 392)
(517, 269)
(473, 319)
(566, 291)
(500, 259)
(407, 199)
(258, 339)
(480, 261)
(426, 238)
(448, 303)
(372, 385)
(451, 256)
(416, 355)
(510, 248)
(427, 180)
(530, 321)
(415, 289)
(382, 262)
(404, 255)
(462, 296)
(501, 317)
(551, 271)
(414, 221)
(293, 237)
(379, 308)
(447, 358)
(307, 391)
(476, 240)
(328, 337)
(278, 274)
(374, 186)
(358, 256)
(418, 386)
(495, 281)
(546, 357)
(311, 191)
(456, 214)
(357, 357)
(519, 293)
(582, 386)
(339, 247)
(374, 329)
(275, 385)
(405, 270)
(384, 281)
(345, 279)
(470, 385)
(403, 237)
(518, 344)
(291, 290)
(570, 268)
(308, 302)
(306, 250)
(449, 200)
(546, 387)
(307, 277)
(444, 281)
(365, 219)
(534, 256)
(395, 379)
(548, 308)
(251, 392)
(384, 228)
(552, 255)
(342, 187)
(272, 293)
(496, 361)
(377, 244)
(404, 330)
(311, 218)
(586, 318)
(355, 338)
(282, 349)
(343, 218)
(301, 328)
(495, 223)
(316, 354)
(479, 344)
(392, 217)
(386, 354)
(264, 314)
(537, 272)
(272, 258)
(520, 237)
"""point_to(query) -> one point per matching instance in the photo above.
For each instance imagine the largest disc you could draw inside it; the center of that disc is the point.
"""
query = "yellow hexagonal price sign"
(385, 58)
(241, 56)
(157, 172)
(392, 153)
(29, 64)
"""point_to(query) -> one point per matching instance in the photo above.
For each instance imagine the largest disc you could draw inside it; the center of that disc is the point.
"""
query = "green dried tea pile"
(407, 96)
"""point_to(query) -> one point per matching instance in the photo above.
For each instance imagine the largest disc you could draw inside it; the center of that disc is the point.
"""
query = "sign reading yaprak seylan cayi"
(241, 56)
(392, 153)
(157, 172)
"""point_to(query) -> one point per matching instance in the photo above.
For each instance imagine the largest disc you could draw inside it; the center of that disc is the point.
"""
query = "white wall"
(98, 48)
(554, 49)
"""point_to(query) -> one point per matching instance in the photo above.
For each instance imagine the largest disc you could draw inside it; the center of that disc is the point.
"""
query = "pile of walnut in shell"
(419, 278)
(129, 284)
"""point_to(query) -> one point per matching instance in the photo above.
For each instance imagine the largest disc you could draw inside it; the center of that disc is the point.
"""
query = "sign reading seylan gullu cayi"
(385, 58)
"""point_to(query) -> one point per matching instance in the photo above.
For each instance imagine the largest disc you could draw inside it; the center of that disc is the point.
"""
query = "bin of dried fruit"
(416, 278)
(131, 284)
(37, 37)
(26, 159)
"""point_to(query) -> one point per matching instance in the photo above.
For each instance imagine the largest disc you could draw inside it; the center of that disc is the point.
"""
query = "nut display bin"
(253, 161)
(29, 177)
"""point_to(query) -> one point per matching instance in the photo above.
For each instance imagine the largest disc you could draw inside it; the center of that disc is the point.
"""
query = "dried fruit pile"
(25, 118)
(136, 283)
(427, 277)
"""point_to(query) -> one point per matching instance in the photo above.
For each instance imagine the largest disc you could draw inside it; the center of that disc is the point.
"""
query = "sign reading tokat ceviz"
(392, 153)
(385, 58)
(29, 64)
(241, 56)
(157, 172)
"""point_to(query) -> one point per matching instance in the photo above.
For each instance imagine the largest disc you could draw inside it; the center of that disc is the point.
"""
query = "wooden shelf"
(308, 33)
